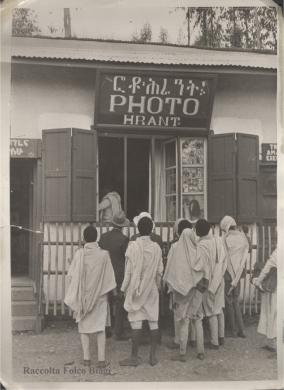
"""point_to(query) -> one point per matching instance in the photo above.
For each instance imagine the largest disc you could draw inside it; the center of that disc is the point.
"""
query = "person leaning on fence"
(115, 242)
(210, 251)
(267, 284)
(91, 278)
(109, 205)
(236, 247)
(142, 280)
(185, 275)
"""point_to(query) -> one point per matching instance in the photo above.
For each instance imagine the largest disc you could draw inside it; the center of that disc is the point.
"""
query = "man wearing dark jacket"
(116, 243)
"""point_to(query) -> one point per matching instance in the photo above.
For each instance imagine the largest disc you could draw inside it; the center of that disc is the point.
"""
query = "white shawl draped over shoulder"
(86, 287)
(143, 272)
(183, 271)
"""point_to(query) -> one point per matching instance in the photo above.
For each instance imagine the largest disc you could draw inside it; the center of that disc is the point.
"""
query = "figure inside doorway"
(110, 205)
(192, 211)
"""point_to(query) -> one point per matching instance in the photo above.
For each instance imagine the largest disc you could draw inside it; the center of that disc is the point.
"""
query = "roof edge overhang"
(95, 64)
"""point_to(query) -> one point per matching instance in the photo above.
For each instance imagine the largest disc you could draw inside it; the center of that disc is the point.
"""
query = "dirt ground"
(57, 352)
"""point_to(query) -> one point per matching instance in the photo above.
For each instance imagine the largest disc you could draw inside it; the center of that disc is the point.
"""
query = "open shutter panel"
(247, 177)
(57, 175)
(221, 176)
(84, 162)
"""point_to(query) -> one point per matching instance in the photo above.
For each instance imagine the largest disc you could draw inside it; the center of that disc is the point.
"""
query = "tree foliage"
(24, 22)
(164, 35)
(235, 27)
(144, 35)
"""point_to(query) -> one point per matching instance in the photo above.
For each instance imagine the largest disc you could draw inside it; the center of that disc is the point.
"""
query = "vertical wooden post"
(153, 178)
(56, 270)
(179, 173)
(250, 273)
(63, 269)
(40, 270)
(48, 269)
(72, 251)
(125, 173)
(263, 243)
(269, 241)
(80, 234)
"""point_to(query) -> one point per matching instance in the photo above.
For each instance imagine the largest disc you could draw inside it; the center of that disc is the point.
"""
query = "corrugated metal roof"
(92, 50)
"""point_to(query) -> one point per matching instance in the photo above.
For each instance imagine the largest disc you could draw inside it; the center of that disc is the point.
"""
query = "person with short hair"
(236, 248)
(91, 278)
(141, 284)
(154, 237)
(211, 252)
(115, 242)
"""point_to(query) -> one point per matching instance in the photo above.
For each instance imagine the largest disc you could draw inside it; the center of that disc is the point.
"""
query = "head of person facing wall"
(202, 228)
(90, 234)
(145, 226)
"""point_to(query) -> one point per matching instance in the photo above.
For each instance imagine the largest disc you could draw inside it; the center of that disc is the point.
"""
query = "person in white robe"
(178, 228)
(183, 275)
(91, 278)
(141, 284)
(236, 247)
(210, 251)
(268, 313)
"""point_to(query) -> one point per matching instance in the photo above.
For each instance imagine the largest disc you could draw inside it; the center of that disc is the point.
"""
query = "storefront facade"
(176, 138)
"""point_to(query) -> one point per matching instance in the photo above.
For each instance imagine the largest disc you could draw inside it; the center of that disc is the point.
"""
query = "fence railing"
(60, 240)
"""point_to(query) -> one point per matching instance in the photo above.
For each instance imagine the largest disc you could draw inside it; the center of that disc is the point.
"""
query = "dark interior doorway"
(21, 171)
(111, 166)
(138, 151)
(114, 155)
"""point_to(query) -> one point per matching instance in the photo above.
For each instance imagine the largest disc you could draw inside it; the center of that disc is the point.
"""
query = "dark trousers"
(118, 314)
(233, 315)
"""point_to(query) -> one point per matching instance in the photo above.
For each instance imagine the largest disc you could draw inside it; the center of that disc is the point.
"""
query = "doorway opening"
(124, 168)
(138, 152)
(21, 199)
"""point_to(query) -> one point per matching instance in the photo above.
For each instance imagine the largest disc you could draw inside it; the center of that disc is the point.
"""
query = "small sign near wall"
(25, 148)
(269, 152)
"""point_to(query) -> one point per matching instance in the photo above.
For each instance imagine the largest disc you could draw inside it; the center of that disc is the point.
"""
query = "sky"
(118, 23)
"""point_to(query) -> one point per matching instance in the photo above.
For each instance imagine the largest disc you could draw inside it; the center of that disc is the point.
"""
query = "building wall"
(246, 104)
(50, 97)
(53, 97)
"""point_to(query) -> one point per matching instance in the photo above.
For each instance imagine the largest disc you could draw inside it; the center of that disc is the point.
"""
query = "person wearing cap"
(236, 247)
(154, 237)
(90, 278)
(210, 251)
(115, 242)
(141, 284)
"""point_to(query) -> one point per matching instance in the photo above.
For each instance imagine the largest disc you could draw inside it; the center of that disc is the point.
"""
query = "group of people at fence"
(201, 276)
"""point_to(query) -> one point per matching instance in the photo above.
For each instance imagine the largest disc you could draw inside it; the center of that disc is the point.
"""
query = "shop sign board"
(25, 148)
(137, 99)
(269, 152)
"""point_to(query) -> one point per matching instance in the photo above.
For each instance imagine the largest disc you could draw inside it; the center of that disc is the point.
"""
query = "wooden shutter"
(56, 175)
(84, 160)
(221, 176)
(247, 177)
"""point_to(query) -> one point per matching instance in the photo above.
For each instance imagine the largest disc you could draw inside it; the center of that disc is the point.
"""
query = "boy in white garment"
(142, 280)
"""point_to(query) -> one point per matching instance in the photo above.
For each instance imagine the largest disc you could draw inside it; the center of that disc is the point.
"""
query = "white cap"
(142, 215)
